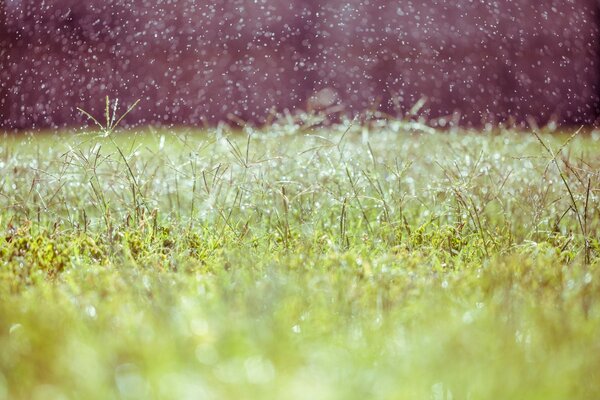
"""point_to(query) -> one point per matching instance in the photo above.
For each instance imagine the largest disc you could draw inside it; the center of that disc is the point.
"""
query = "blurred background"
(198, 62)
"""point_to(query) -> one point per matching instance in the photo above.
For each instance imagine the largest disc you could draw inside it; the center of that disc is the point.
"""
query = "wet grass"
(319, 264)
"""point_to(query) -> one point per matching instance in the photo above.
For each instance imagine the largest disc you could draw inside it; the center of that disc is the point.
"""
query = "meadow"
(354, 261)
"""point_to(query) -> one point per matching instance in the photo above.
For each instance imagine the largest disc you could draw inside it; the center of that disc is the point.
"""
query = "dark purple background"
(195, 62)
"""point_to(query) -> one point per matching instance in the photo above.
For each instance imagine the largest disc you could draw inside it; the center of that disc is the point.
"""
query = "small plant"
(580, 211)
(106, 130)
(110, 115)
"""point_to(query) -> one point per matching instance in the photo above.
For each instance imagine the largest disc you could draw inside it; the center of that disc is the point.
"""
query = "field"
(345, 262)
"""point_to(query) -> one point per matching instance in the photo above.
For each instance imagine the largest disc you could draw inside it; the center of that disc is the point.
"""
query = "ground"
(385, 262)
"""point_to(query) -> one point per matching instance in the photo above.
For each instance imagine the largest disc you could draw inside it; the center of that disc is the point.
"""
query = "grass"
(331, 263)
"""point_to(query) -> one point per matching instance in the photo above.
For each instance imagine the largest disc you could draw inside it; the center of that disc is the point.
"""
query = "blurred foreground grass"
(373, 263)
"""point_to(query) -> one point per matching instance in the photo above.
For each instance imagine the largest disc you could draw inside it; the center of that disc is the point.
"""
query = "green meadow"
(378, 261)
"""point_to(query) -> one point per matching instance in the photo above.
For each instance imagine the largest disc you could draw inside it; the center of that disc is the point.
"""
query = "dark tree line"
(193, 62)
(3, 62)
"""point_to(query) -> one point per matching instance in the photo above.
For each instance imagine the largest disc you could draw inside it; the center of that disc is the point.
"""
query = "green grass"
(377, 263)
